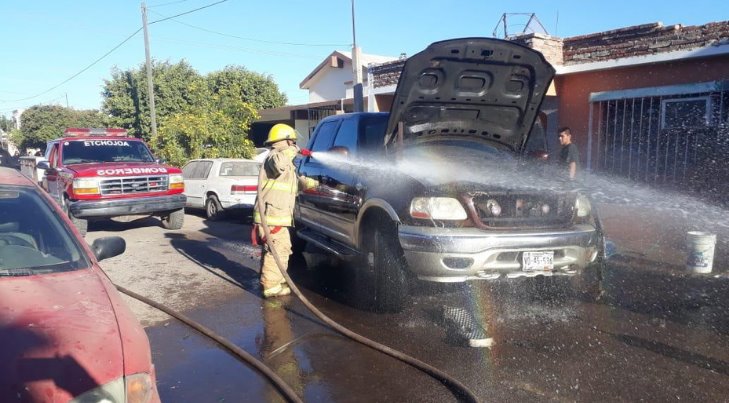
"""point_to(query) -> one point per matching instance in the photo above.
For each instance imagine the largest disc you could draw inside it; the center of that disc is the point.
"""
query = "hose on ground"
(279, 383)
(459, 389)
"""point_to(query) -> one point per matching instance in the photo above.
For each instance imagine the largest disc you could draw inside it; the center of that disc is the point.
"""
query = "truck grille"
(522, 210)
(137, 184)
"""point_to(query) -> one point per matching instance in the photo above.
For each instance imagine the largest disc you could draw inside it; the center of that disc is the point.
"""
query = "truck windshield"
(101, 150)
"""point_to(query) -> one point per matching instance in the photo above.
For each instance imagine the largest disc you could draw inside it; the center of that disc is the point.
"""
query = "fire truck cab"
(104, 173)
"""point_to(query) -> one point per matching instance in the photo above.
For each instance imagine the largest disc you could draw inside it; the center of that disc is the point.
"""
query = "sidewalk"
(659, 238)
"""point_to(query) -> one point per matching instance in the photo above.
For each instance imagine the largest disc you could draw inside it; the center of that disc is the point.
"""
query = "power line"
(79, 73)
(250, 39)
(206, 45)
(107, 54)
(188, 12)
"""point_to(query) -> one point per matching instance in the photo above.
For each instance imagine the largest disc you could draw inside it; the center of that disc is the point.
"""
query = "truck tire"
(174, 220)
(386, 265)
(80, 224)
(213, 209)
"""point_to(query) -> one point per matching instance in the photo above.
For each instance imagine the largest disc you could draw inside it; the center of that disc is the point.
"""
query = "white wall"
(330, 85)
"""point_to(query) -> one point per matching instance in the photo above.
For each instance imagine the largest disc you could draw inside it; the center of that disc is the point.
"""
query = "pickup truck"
(103, 173)
(445, 187)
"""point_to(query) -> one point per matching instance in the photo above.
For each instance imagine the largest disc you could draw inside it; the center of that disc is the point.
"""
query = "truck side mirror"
(43, 165)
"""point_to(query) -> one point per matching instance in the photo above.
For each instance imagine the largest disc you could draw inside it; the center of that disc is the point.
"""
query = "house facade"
(649, 103)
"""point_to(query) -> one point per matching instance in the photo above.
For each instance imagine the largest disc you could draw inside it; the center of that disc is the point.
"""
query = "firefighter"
(277, 189)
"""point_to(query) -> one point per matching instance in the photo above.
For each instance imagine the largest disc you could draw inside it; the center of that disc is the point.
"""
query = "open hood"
(484, 87)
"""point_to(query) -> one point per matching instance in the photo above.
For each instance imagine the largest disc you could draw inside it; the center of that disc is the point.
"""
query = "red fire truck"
(104, 173)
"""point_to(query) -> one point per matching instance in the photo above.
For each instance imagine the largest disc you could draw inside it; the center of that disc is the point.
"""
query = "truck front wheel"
(174, 220)
(80, 224)
(386, 264)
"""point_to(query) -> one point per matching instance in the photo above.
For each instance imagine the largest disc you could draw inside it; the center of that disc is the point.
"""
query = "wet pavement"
(657, 333)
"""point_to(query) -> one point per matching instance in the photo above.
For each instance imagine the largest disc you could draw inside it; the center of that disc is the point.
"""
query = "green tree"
(6, 124)
(256, 89)
(218, 129)
(41, 123)
(178, 88)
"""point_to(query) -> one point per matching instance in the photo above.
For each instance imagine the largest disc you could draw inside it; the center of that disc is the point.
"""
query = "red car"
(65, 332)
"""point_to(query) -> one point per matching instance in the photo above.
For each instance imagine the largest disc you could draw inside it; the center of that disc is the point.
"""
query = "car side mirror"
(160, 160)
(107, 247)
(340, 150)
(43, 165)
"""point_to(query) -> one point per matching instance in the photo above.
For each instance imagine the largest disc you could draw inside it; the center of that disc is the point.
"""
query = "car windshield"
(33, 240)
(99, 150)
(239, 168)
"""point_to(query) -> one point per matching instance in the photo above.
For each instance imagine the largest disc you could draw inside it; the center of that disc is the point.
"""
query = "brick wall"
(550, 46)
(642, 40)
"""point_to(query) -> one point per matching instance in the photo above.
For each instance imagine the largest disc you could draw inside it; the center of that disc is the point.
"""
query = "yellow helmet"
(280, 132)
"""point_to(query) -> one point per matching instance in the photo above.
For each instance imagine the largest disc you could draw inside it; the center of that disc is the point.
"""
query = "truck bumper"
(468, 254)
(158, 205)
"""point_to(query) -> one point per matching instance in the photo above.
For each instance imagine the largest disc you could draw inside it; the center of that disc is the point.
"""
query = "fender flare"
(366, 207)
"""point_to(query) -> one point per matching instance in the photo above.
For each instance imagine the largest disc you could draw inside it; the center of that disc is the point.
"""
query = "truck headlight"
(86, 186)
(177, 182)
(437, 208)
(137, 388)
(583, 206)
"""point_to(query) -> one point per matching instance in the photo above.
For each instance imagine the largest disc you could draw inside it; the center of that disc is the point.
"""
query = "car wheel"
(174, 220)
(213, 209)
(80, 224)
(385, 266)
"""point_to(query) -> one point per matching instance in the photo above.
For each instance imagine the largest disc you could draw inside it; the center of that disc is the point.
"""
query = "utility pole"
(150, 83)
(357, 70)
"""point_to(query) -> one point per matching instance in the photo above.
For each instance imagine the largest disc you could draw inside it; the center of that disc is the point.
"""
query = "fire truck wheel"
(80, 224)
(174, 220)
(213, 209)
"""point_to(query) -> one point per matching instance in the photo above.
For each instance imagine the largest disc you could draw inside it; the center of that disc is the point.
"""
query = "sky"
(59, 52)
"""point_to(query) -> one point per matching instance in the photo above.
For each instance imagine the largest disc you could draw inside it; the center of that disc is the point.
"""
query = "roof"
(637, 44)
(642, 40)
(365, 60)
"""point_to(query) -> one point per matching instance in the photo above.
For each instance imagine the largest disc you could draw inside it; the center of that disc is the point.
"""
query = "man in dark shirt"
(569, 155)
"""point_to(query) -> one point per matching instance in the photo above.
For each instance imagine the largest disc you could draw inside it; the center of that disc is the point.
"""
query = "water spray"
(459, 389)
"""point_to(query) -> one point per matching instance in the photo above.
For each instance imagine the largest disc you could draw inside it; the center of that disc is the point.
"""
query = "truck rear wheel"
(80, 224)
(174, 220)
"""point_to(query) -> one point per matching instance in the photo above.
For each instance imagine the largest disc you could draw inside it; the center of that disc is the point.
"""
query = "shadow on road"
(200, 253)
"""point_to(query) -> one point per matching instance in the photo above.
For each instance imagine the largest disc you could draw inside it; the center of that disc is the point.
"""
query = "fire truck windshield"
(105, 150)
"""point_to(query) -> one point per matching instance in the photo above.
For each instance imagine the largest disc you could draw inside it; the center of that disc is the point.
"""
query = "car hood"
(115, 169)
(59, 336)
(482, 87)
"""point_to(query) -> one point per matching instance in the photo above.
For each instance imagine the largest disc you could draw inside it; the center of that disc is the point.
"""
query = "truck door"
(311, 202)
(52, 181)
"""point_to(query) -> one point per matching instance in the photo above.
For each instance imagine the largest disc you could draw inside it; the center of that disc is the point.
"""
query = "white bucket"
(700, 251)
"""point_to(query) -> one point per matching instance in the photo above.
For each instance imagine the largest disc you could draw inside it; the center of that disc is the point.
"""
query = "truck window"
(53, 156)
(373, 134)
(347, 135)
(324, 136)
(102, 150)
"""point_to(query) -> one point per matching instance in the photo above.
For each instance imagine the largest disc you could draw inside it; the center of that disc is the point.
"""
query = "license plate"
(537, 261)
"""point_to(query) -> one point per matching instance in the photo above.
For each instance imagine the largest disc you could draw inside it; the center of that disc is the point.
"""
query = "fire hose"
(459, 389)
